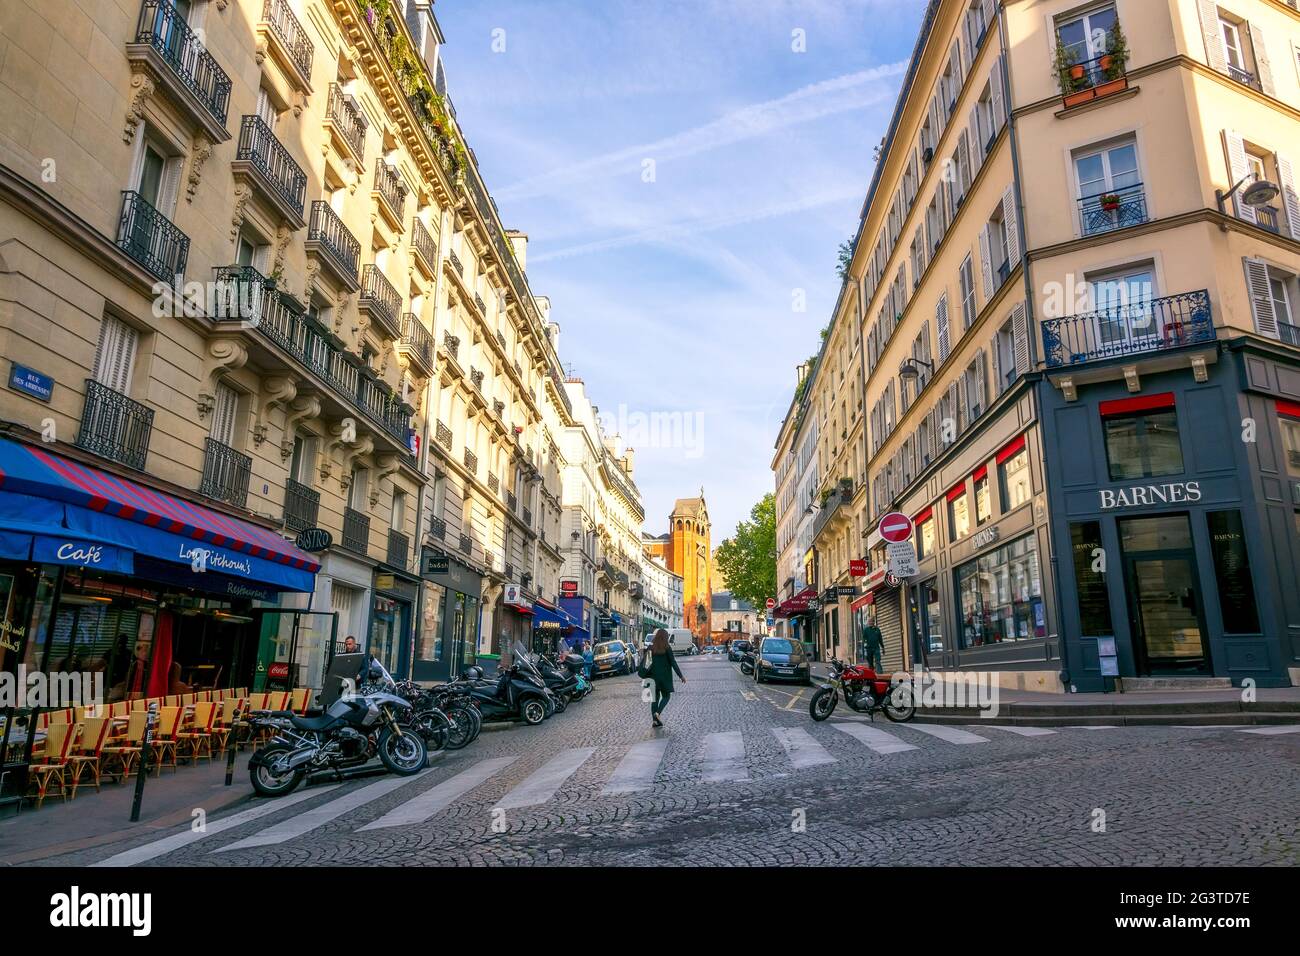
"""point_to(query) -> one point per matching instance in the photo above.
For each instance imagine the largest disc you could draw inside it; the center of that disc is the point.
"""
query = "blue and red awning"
(60, 510)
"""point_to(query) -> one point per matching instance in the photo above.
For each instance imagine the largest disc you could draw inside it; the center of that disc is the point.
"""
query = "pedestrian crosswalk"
(523, 784)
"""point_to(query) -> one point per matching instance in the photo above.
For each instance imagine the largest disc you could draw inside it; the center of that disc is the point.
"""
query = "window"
(398, 522)
(1110, 189)
(156, 174)
(1087, 37)
(1281, 299)
(925, 535)
(966, 280)
(1013, 475)
(225, 403)
(1232, 572)
(303, 460)
(1000, 594)
(975, 387)
(983, 501)
(1090, 580)
(1004, 356)
(1289, 420)
(1142, 437)
(933, 617)
(1233, 51)
(357, 489)
(115, 354)
(266, 108)
(958, 513)
(1125, 318)
(1273, 296)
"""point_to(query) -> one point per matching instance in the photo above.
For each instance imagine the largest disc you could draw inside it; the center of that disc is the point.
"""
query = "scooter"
(518, 694)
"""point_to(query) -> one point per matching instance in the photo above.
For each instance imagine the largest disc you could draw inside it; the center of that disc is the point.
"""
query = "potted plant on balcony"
(1113, 63)
(1109, 201)
(1071, 76)
(273, 280)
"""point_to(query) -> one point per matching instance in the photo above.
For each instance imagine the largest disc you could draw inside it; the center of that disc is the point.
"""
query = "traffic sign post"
(895, 527)
(771, 603)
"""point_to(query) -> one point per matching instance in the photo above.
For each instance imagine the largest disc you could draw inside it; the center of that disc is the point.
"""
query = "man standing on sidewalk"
(873, 643)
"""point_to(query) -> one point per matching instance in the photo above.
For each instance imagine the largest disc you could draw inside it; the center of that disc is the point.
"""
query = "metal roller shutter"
(889, 619)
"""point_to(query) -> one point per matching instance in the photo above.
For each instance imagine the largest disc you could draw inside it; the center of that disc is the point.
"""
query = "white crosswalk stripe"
(801, 748)
(724, 757)
(1022, 731)
(296, 826)
(637, 770)
(877, 740)
(952, 735)
(422, 807)
(541, 784)
(1278, 729)
(149, 851)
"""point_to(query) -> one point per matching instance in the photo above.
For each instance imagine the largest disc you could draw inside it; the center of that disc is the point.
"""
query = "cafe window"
(1000, 596)
(1013, 475)
(1232, 571)
(1090, 579)
(983, 498)
(1142, 437)
(925, 535)
(958, 512)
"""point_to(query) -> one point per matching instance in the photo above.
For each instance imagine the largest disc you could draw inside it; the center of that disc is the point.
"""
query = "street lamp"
(909, 369)
(1260, 192)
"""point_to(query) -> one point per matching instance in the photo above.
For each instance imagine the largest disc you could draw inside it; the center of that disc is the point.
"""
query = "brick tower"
(688, 554)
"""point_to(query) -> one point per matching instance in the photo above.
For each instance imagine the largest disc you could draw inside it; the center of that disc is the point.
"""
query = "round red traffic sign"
(771, 603)
(895, 527)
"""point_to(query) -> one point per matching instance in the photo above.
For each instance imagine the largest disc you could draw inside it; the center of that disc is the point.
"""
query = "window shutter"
(1012, 223)
(981, 385)
(999, 116)
(115, 354)
(986, 262)
(1020, 333)
(265, 109)
(1262, 66)
(976, 143)
(1214, 53)
(988, 14)
(958, 69)
(171, 186)
(952, 412)
(1261, 297)
(963, 407)
(963, 167)
(1238, 168)
(941, 322)
(1290, 198)
(223, 414)
(934, 433)
(997, 371)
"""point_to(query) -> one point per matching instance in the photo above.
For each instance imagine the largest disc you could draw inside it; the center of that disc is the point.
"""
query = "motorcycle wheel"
(561, 702)
(404, 755)
(435, 727)
(266, 782)
(462, 728)
(900, 704)
(477, 716)
(822, 704)
(533, 711)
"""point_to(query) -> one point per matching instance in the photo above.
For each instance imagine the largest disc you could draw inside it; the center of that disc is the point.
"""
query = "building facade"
(662, 604)
(734, 619)
(687, 552)
(796, 465)
(1080, 377)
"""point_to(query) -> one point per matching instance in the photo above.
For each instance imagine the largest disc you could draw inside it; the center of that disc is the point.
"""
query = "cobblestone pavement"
(741, 775)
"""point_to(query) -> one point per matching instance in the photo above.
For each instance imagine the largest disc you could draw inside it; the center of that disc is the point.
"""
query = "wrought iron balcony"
(528, 517)
(452, 344)
(835, 503)
(509, 571)
(391, 192)
(1266, 217)
(493, 483)
(288, 33)
(476, 377)
(399, 550)
(455, 263)
(442, 435)
(482, 306)
(279, 175)
(1288, 333)
(151, 239)
(417, 341)
(1114, 209)
(381, 300)
(327, 233)
(512, 502)
(1003, 274)
(163, 29)
(471, 462)
(1135, 328)
(1244, 77)
(426, 250)
(225, 473)
(1092, 79)
(301, 506)
(438, 528)
(356, 531)
(240, 294)
(466, 545)
(347, 120)
(115, 427)
(501, 341)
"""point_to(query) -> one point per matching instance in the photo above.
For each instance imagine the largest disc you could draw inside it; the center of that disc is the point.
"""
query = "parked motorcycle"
(865, 692)
(353, 729)
(747, 662)
(518, 694)
(566, 682)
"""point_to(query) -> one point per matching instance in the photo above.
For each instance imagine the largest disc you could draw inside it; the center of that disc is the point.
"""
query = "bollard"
(233, 746)
(142, 770)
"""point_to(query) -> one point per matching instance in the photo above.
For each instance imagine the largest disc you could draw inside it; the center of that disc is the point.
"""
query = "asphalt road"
(741, 775)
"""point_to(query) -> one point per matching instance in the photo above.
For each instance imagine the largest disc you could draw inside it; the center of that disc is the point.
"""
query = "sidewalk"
(92, 819)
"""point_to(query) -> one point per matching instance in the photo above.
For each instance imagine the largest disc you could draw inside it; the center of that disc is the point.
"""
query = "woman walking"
(662, 665)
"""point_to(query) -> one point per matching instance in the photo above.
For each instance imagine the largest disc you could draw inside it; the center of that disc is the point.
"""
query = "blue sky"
(676, 295)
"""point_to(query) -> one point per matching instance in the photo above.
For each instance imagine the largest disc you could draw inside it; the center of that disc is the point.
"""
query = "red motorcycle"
(865, 692)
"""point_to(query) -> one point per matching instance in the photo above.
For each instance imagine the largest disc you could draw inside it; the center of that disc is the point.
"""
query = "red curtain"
(160, 674)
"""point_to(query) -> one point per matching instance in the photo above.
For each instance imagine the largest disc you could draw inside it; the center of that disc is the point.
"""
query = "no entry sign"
(896, 527)
(771, 603)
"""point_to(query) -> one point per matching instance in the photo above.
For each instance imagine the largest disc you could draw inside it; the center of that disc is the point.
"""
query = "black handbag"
(643, 668)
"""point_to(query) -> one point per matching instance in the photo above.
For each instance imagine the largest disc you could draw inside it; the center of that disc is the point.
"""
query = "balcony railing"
(389, 185)
(115, 427)
(165, 30)
(151, 239)
(1244, 77)
(1115, 209)
(438, 528)
(225, 473)
(424, 246)
(1146, 325)
(356, 531)
(1288, 333)
(1092, 79)
(493, 483)
(259, 146)
(841, 496)
(348, 120)
(452, 344)
(327, 229)
(290, 33)
(1266, 217)
(379, 297)
(301, 506)
(482, 306)
(399, 549)
(1003, 274)
(512, 501)
(476, 377)
(466, 545)
(418, 340)
(442, 435)
(528, 517)
(455, 263)
(471, 462)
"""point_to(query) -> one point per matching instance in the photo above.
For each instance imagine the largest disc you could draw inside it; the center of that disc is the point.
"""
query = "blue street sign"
(30, 381)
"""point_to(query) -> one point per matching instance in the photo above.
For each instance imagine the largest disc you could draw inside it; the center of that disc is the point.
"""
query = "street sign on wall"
(901, 557)
(895, 527)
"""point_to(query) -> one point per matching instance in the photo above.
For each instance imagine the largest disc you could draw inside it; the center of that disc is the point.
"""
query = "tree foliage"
(748, 558)
(844, 256)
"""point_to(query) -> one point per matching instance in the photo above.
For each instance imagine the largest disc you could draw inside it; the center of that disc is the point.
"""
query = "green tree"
(748, 559)
(844, 256)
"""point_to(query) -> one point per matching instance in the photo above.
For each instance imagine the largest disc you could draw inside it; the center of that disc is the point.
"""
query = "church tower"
(689, 553)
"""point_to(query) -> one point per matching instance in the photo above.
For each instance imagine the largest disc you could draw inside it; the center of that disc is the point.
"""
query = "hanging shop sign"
(314, 540)
(858, 568)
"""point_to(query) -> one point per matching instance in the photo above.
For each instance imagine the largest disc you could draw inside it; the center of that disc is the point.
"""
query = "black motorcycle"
(518, 694)
(353, 729)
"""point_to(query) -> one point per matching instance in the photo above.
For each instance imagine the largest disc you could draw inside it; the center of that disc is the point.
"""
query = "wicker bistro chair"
(299, 700)
(224, 723)
(125, 751)
(198, 737)
(87, 756)
(166, 737)
(53, 764)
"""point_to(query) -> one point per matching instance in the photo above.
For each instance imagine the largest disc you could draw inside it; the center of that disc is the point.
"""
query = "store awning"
(544, 616)
(64, 512)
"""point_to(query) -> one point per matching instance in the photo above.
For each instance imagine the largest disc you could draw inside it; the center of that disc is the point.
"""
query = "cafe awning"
(57, 510)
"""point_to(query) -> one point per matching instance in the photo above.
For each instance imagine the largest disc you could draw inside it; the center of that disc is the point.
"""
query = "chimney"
(801, 373)
(553, 332)
(629, 460)
(519, 240)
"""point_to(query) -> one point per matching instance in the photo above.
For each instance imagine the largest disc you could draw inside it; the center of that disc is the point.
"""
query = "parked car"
(779, 658)
(737, 650)
(612, 657)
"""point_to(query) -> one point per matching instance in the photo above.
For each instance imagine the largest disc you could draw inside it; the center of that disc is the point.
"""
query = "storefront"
(583, 613)
(801, 620)
(513, 619)
(881, 606)
(1177, 510)
(447, 639)
(551, 625)
(392, 613)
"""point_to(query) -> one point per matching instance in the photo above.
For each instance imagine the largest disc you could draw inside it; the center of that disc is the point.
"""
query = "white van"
(682, 641)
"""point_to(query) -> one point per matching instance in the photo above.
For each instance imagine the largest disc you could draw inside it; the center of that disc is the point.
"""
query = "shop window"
(983, 498)
(925, 535)
(933, 617)
(1232, 572)
(1142, 437)
(1090, 579)
(958, 513)
(1000, 596)
(1013, 475)
(1289, 422)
